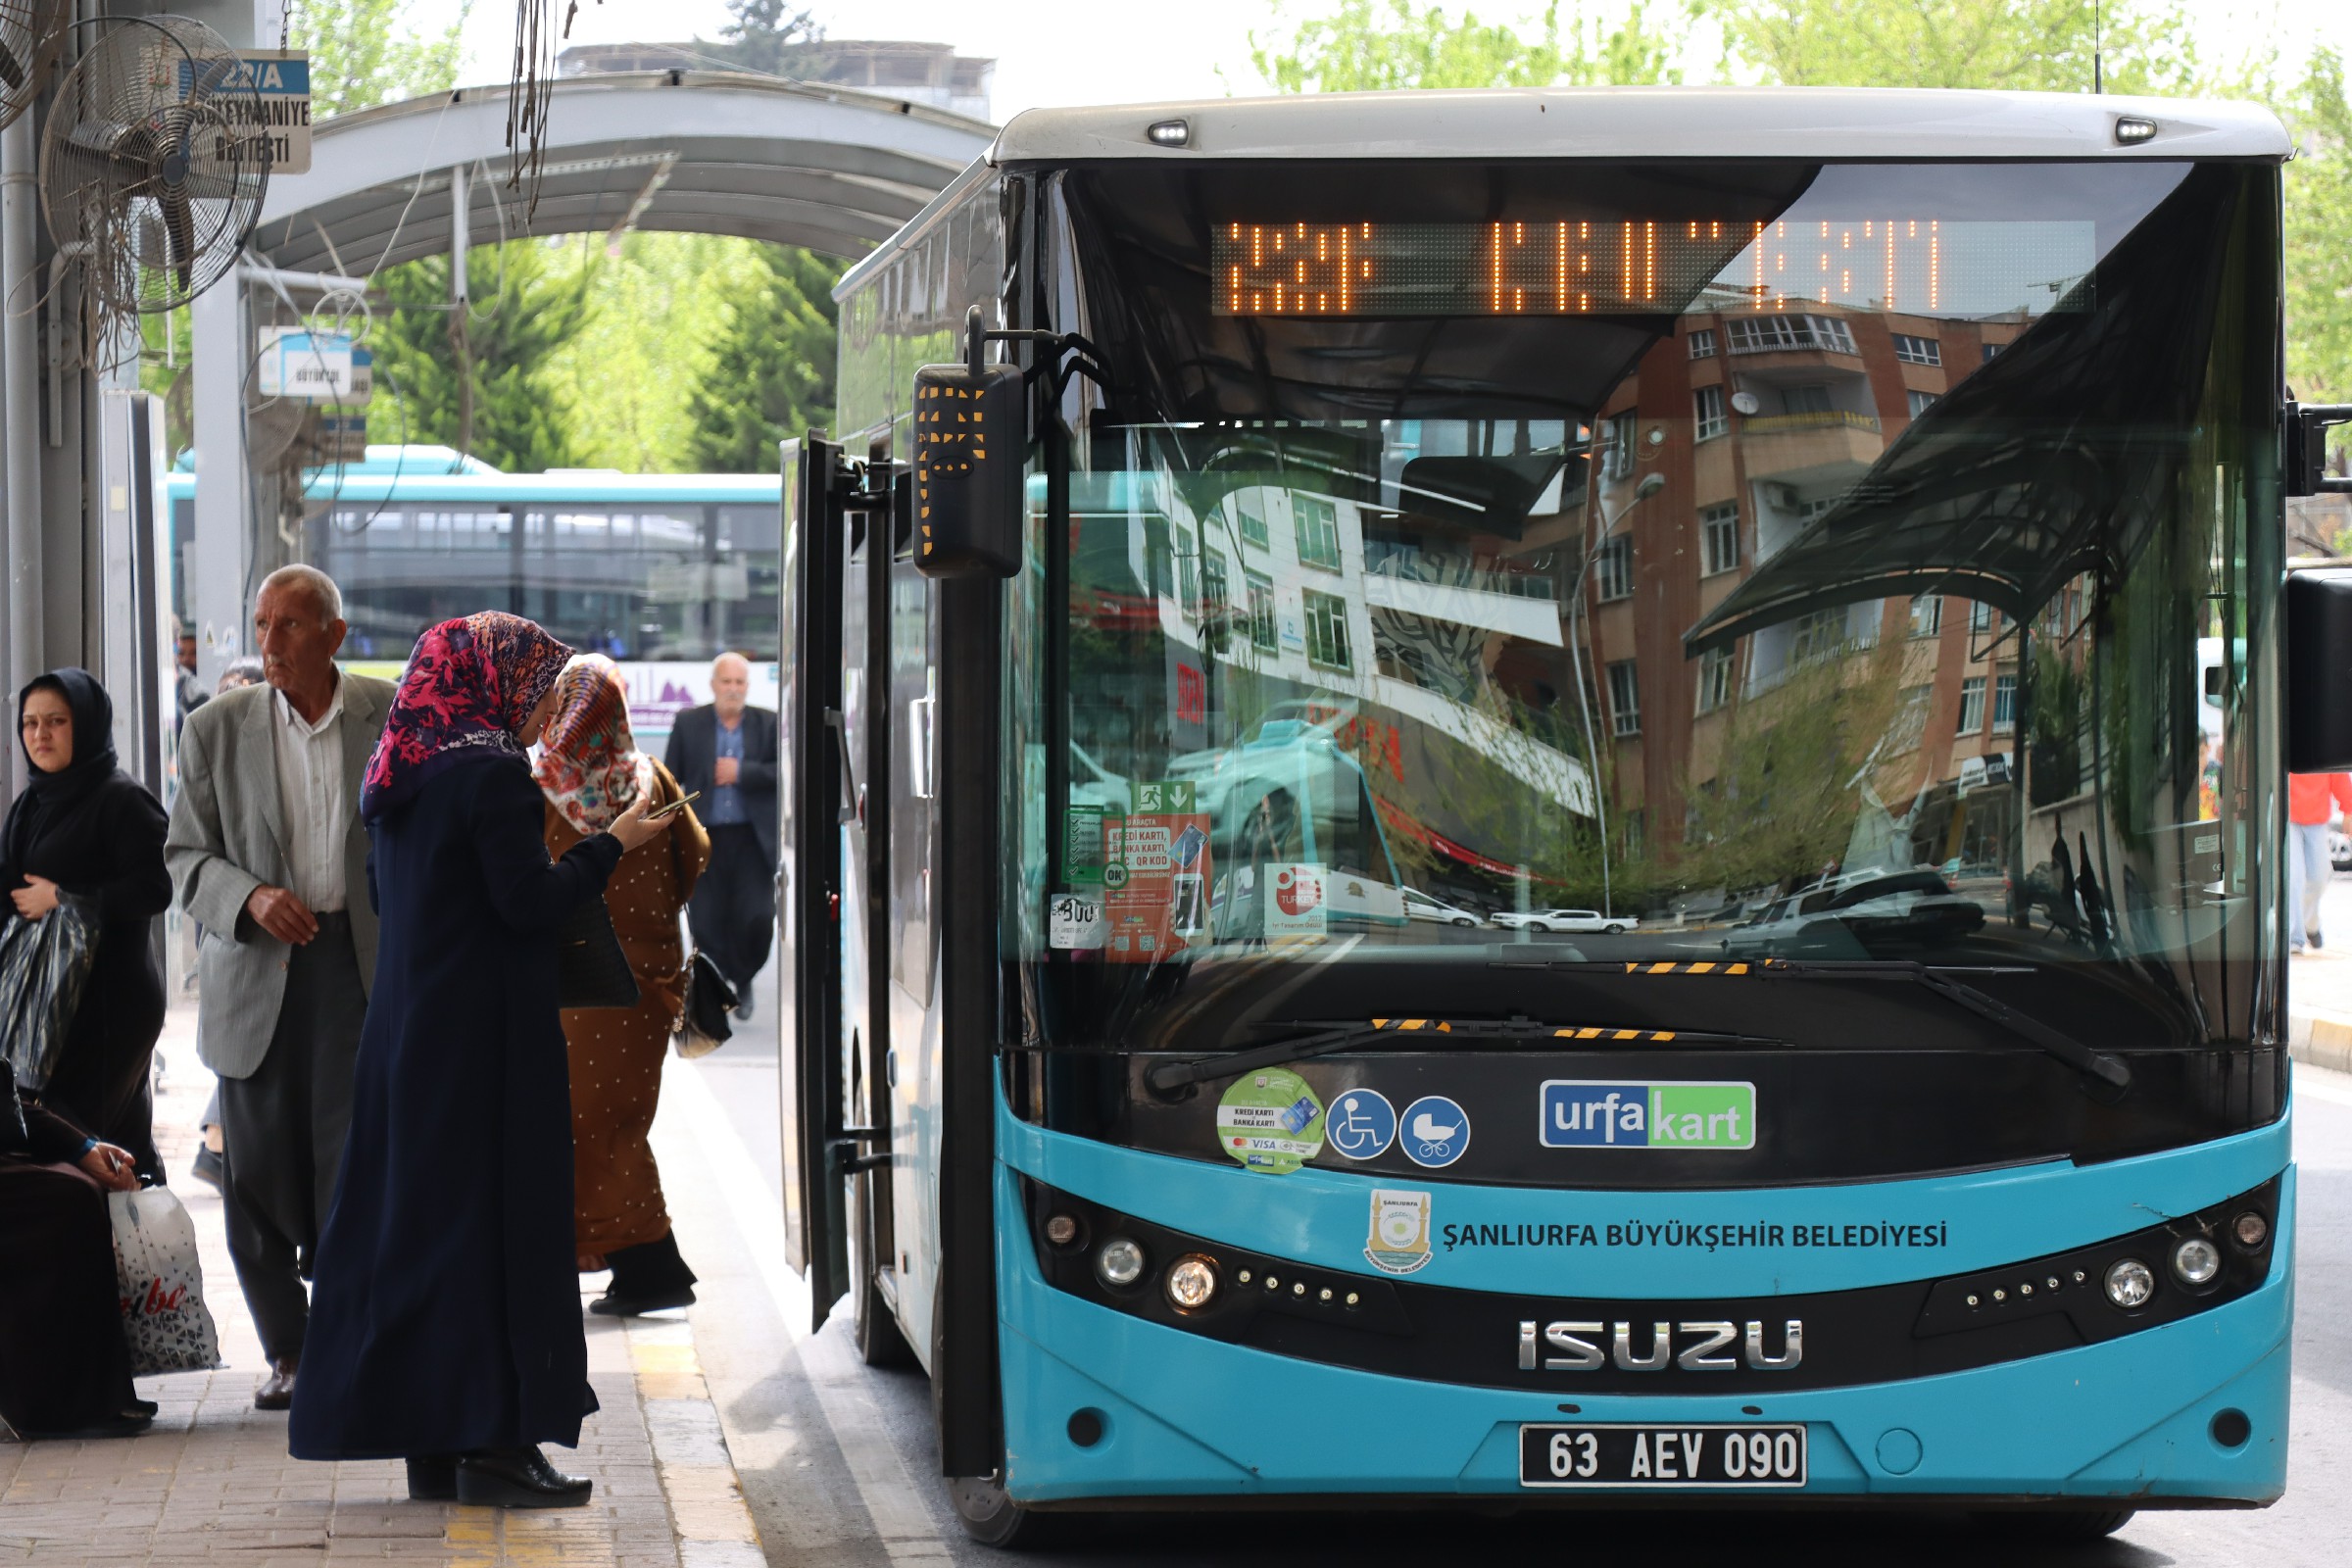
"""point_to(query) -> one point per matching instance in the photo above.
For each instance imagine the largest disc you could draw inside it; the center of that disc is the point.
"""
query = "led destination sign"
(1636, 266)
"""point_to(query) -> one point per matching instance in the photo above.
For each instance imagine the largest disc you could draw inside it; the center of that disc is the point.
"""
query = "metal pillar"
(19, 419)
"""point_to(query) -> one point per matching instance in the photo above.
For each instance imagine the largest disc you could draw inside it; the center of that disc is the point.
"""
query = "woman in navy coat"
(445, 1316)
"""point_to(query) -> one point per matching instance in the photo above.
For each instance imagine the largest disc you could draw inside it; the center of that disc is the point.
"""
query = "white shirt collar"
(295, 721)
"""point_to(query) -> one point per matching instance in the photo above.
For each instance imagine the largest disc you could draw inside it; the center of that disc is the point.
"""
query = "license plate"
(1694, 1455)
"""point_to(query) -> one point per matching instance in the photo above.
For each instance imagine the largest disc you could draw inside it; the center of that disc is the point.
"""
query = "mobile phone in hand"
(674, 808)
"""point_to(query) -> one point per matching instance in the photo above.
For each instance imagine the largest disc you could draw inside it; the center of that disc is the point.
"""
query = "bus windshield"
(1459, 577)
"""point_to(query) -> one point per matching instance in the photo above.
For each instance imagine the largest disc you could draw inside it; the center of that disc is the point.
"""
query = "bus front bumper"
(2128, 1423)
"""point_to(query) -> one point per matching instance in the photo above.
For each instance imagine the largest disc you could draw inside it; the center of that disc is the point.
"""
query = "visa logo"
(1584, 1113)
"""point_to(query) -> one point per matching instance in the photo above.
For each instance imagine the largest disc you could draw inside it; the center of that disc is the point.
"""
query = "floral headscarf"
(589, 763)
(471, 685)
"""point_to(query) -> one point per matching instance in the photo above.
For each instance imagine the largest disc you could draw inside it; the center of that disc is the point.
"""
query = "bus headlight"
(2129, 1283)
(2196, 1260)
(1192, 1283)
(1120, 1262)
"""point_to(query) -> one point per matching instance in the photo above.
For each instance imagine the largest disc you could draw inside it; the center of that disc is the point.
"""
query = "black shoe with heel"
(650, 1277)
(517, 1478)
(432, 1478)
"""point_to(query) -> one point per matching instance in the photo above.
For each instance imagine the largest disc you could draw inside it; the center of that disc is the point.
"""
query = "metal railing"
(1822, 419)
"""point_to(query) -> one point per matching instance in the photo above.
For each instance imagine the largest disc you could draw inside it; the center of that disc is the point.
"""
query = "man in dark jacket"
(726, 751)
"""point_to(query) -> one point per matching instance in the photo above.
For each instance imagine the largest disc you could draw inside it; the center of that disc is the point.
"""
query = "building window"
(1922, 401)
(1714, 679)
(1617, 454)
(1187, 550)
(1249, 515)
(1816, 634)
(1918, 350)
(1712, 421)
(2004, 704)
(1613, 566)
(1702, 343)
(1719, 537)
(1624, 698)
(1261, 611)
(1927, 614)
(1910, 720)
(1634, 831)
(1811, 399)
(1316, 523)
(1980, 615)
(1971, 706)
(1991, 349)
(1326, 630)
(1213, 601)
(1763, 335)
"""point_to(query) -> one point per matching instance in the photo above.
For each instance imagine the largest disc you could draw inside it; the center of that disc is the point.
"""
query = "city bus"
(661, 572)
(1788, 528)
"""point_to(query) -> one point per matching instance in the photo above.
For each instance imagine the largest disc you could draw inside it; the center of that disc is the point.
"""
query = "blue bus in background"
(1789, 530)
(661, 572)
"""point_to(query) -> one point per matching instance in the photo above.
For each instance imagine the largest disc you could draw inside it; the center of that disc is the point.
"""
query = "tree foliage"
(2022, 45)
(772, 374)
(524, 312)
(1373, 45)
(2319, 235)
(367, 52)
(775, 38)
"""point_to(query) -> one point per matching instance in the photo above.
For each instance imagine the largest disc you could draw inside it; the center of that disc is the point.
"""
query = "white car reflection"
(1419, 906)
(1569, 920)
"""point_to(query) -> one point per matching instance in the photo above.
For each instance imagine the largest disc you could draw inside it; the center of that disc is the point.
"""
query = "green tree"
(771, 37)
(2024, 45)
(480, 383)
(367, 52)
(771, 375)
(2319, 235)
(1373, 45)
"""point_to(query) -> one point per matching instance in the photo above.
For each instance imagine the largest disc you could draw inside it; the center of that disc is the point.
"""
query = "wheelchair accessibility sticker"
(1361, 1124)
(1399, 1240)
(1436, 1132)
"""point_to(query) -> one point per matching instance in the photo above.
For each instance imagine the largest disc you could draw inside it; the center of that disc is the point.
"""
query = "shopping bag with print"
(163, 1316)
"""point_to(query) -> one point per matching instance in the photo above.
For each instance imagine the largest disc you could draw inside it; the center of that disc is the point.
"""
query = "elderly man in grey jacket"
(268, 854)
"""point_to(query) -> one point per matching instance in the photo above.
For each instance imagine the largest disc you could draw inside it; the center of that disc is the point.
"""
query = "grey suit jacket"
(226, 840)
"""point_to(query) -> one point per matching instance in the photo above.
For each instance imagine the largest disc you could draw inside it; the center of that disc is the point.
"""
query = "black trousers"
(733, 911)
(282, 1131)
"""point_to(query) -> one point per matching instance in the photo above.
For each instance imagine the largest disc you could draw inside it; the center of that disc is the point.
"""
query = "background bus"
(660, 572)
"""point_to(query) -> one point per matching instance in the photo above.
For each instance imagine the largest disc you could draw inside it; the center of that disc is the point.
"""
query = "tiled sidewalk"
(212, 1483)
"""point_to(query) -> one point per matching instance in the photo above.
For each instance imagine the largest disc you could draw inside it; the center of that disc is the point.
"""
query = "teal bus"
(1538, 799)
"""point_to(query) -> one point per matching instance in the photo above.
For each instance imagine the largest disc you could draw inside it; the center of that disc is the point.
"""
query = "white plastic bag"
(162, 1284)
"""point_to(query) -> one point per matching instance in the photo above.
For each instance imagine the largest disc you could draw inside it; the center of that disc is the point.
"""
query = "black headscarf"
(49, 798)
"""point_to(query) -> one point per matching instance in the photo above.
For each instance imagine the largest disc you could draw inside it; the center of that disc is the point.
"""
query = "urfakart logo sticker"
(1588, 1113)
(1400, 1240)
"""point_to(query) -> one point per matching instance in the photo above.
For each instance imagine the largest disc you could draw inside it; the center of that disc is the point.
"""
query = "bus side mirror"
(2319, 671)
(969, 446)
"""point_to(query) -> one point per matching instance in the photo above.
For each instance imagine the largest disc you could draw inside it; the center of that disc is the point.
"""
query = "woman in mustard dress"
(590, 771)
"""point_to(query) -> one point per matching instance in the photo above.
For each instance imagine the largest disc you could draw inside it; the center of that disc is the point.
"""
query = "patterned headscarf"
(589, 763)
(471, 685)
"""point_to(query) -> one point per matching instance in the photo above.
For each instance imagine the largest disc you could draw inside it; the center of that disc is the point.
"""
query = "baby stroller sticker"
(1436, 1132)
(1399, 1240)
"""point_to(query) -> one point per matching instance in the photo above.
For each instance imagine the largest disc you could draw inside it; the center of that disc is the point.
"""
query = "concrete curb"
(2323, 1039)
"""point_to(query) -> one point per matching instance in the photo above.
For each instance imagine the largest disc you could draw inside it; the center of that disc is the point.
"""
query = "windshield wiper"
(2085, 1060)
(1323, 1038)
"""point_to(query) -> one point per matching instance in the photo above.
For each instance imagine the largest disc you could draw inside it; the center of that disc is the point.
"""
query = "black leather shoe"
(614, 1304)
(207, 1168)
(519, 1478)
(743, 1004)
(276, 1392)
(432, 1478)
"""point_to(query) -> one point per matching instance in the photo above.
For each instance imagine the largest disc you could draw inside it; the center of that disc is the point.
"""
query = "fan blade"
(179, 235)
(12, 69)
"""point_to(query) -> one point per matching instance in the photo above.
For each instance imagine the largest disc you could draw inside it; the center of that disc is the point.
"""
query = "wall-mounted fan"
(153, 163)
(29, 33)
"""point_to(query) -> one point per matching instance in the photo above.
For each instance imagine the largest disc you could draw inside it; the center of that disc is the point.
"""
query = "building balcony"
(1805, 449)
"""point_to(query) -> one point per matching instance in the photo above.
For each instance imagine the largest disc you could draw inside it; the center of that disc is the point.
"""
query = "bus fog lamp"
(1062, 1230)
(2196, 1260)
(2129, 1283)
(2250, 1229)
(1192, 1283)
(1120, 1262)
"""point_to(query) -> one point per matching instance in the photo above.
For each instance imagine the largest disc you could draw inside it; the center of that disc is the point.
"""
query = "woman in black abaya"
(84, 827)
(445, 1315)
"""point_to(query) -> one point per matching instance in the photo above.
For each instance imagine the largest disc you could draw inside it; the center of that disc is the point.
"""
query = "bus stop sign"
(968, 450)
